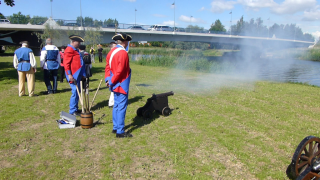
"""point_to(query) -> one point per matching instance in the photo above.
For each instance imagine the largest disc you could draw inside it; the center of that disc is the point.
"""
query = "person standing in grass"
(92, 52)
(26, 64)
(117, 78)
(62, 75)
(111, 98)
(75, 71)
(50, 63)
(100, 52)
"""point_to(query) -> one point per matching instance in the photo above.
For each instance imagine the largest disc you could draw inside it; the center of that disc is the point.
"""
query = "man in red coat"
(117, 78)
(75, 70)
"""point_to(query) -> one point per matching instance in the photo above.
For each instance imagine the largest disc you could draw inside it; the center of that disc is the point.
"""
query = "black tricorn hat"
(82, 47)
(76, 38)
(122, 37)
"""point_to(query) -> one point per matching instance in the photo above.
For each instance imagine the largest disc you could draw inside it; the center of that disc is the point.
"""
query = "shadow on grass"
(138, 121)
(106, 103)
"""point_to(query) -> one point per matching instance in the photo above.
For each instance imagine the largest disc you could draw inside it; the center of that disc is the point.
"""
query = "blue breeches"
(119, 111)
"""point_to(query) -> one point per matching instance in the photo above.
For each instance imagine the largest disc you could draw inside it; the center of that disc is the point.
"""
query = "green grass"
(221, 127)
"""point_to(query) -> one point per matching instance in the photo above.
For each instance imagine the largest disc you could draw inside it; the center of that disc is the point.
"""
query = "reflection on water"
(290, 70)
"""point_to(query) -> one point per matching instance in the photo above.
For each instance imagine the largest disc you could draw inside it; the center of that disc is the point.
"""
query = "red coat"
(120, 69)
(73, 63)
(61, 57)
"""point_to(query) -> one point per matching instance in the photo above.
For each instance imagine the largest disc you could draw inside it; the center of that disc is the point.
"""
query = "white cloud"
(170, 23)
(312, 14)
(159, 15)
(202, 9)
(316, 35)
(254, 4)
(219, 6)
(191, 19)
(293, 6)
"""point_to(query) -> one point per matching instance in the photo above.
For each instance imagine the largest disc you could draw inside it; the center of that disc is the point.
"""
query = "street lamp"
(174, 16)
(190, 22)
(135, 17)
(230, 23)
(80, 13)
(51, 8)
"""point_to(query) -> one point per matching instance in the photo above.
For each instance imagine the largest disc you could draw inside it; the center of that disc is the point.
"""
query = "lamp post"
(51, 8)
(190, 22)
(81, 14)
(230, 23)
(135, 17)
(268, 27)
(174, 16)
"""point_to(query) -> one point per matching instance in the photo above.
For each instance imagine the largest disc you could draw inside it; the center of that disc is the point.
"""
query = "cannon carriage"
(305, 164)
(158, 103)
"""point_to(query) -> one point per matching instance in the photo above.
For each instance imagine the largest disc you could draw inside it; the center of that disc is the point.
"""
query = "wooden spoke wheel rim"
(306, 153)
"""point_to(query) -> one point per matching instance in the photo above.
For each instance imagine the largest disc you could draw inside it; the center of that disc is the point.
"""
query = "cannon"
(158, 102)
(305, 164)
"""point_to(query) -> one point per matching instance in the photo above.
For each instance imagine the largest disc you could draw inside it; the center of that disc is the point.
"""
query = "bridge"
(12, 34)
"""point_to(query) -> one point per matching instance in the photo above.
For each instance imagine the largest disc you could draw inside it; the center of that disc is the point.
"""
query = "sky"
(303, 13)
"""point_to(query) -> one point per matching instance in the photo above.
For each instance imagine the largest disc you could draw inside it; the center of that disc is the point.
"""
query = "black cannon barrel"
(164, 94)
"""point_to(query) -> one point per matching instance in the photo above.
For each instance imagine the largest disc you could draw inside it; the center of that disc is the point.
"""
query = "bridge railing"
(63, 22)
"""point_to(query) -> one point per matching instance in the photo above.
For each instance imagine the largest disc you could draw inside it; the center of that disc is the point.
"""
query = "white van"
(4, 21)
(160, 28)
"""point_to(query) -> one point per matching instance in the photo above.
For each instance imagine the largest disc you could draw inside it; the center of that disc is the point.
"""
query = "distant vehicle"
(136, 28)
(4, 21)
(151, 27)
(73, 24)
(178, 29)
(110, 26)
(160, 28)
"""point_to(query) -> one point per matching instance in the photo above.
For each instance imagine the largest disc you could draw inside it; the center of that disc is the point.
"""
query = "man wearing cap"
(50, 63)
(75, 70)
(117, 78)
(25, 63)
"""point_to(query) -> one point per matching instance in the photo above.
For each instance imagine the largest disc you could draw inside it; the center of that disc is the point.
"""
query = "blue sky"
(304, 13)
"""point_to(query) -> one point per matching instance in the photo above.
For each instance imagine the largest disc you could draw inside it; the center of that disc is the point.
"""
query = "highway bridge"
(12, 34)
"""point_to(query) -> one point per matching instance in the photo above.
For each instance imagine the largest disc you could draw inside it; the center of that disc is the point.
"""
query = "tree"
(9, 3)
(88, 21)
(49, 32)
(93, 36)
(19, 18)
(38, 20)
(80, 20)
(217, 26)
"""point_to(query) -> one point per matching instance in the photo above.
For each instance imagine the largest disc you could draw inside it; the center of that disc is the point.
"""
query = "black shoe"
(79, 111)
(114, 131)
(124, 135)
(50, 92)
(76, 114)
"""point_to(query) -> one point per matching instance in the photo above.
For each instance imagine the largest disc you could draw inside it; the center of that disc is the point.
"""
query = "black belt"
(24, 61)
(50, 60)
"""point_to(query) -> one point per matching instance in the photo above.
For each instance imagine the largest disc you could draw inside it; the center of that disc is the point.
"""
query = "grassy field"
(221, 127)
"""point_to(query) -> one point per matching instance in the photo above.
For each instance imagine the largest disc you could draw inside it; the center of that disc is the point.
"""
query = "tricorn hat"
(122, 37)
(76, 38)
(82, 47)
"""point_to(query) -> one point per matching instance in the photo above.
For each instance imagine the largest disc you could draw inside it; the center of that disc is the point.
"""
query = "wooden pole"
(81, 95)
(94, 97)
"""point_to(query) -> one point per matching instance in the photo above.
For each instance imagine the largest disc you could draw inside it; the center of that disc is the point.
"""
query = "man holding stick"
(117, 78)
(75, 70)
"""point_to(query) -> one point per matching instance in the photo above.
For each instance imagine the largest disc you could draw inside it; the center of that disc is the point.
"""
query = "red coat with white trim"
(120, 69)
(73, 63)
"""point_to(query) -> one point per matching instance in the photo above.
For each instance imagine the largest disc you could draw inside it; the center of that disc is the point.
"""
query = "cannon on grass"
(305, 164)
(158, 102)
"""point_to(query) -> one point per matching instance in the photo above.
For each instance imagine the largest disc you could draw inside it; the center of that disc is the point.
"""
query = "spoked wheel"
(306, 153)
(308, 175)
(166, 111)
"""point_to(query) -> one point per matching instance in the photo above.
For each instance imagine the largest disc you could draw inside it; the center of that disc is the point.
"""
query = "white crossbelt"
(113, 53)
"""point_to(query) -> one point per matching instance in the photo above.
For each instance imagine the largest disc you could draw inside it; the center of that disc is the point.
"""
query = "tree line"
(257, 28)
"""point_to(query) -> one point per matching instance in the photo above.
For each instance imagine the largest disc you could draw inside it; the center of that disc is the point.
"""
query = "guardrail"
(75, 23)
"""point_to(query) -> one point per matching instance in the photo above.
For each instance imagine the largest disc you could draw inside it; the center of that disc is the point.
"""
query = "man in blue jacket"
(50, 62)
(25, 63)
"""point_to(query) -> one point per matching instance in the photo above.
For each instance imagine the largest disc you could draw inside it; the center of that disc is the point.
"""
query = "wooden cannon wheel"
(306, 153)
